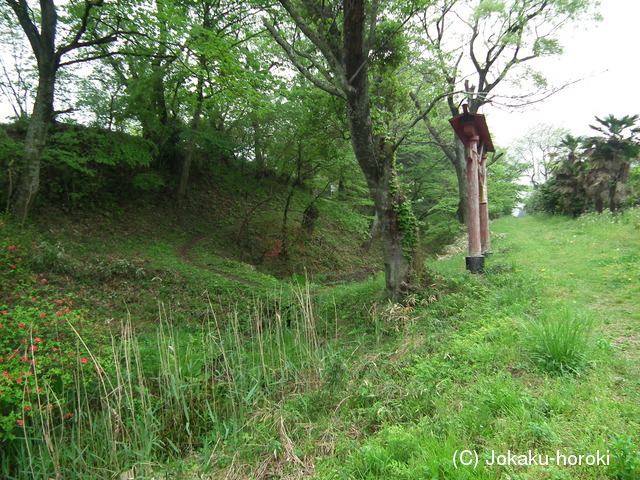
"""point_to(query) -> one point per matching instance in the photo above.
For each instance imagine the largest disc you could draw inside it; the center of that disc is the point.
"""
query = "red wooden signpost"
(471, 129)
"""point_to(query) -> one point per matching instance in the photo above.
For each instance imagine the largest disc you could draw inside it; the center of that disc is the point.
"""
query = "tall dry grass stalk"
(185, 392)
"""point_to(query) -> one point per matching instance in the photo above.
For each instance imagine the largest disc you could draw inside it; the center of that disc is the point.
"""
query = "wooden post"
(484, 206)
(475, 246)
(471, 129)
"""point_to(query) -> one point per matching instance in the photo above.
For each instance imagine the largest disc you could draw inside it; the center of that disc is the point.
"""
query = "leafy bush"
(44, 344)
(87, 167)
(544, 199)
(626, 464)
(43, 348)
(148, 182)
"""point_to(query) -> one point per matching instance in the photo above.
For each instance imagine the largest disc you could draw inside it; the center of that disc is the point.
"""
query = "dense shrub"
(543, 199)
(45, 344)
(88, 168)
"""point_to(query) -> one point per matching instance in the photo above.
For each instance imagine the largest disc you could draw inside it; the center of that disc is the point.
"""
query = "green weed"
(559, 339)
(626, 464)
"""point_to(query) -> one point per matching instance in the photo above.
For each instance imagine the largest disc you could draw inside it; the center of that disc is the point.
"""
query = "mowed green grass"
(592, 261)
(587, 267)
(538, 355)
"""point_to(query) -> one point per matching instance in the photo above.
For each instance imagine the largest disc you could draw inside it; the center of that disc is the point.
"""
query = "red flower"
(27, 408)
(21, 325)
(33, 348)
(42, 315)
(38, 339)
(68, 416)
(84, 360)
(12, 247)
(19, 380)
(33, 299)
(44, 279)
(20, 422)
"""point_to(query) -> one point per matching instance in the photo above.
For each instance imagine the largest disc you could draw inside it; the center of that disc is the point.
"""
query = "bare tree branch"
(334, 62)
(291, 54)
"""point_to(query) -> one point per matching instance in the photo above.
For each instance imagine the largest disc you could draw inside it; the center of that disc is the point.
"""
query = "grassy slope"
(469, 376)
(390, 391)
(130, 259)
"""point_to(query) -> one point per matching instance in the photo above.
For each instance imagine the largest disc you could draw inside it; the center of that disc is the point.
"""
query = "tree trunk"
(41, 118)
(191, 145)
(372, 154)
(599, 204)
(309, 217)
(457, 157)
(460, 166)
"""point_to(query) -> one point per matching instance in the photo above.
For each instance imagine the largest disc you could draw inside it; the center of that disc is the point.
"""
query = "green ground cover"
(305, 379)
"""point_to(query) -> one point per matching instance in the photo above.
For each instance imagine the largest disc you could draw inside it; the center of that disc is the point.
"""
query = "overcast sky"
(606, 55)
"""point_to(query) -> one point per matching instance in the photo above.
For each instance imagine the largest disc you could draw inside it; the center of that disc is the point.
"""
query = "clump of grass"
(559, 339)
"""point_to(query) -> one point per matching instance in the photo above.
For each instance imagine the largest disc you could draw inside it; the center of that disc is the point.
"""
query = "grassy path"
(474, 371)
(483, 352)
(185, 253)
(594, 262)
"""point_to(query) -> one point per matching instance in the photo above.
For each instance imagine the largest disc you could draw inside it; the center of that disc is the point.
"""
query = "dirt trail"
(184, 253)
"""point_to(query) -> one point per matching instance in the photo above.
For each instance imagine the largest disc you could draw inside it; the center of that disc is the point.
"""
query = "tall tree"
(538, 150)
(478, 46)
(346, 37)
(568, 176)
(609, 156)
(17, 76)
(84, 28)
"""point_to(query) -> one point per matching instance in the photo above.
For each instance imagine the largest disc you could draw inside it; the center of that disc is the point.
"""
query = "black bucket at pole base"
(475, 264)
